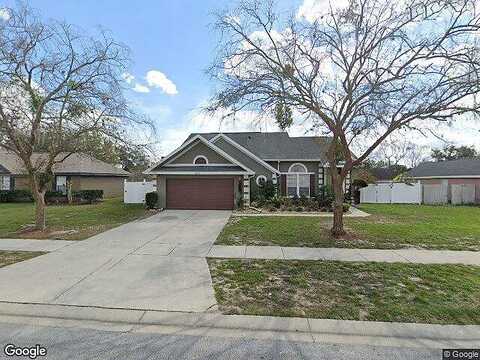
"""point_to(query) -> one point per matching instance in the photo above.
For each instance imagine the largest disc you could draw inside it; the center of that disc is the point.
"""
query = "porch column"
(321, 177)
(246, 190)
(348, 180)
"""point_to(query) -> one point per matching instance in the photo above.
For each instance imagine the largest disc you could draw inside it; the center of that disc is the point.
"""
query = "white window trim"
(257, 180)
(200, 157)
(298, 184)
(295, 164)
(4, 182)
(297, 174)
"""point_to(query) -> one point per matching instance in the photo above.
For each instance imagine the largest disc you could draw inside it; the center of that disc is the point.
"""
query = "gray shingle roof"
(278, 145)
(462, 167)
(3, 170)
(75, 164)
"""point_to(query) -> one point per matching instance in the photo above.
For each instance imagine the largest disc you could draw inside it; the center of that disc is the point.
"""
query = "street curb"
(215, 324)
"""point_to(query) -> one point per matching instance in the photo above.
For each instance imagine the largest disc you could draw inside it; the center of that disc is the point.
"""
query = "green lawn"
(443, 294)
(389, 227)
(11, 257)
(86, 219)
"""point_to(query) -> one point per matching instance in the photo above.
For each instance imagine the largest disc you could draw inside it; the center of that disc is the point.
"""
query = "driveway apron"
(157, 263)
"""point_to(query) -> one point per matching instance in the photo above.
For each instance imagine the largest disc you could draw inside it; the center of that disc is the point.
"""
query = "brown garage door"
(200, 193)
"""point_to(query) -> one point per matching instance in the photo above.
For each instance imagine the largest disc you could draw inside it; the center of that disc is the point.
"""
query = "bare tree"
(360, 73)
(400, 151)
(57, 83)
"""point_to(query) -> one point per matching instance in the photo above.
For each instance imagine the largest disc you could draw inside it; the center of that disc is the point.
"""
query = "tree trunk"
(337, 228)
(69, 192)
(39, 197)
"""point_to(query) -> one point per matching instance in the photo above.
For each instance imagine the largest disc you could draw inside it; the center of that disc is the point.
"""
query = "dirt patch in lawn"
(12, 257)
(444, 294)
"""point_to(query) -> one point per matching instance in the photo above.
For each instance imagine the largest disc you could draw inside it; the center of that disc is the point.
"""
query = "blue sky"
(172, 39)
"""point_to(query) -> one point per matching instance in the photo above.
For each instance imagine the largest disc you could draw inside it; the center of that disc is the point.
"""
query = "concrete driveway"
(157, 263)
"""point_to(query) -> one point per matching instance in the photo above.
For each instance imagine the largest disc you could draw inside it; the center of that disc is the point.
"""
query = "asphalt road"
(75, 343)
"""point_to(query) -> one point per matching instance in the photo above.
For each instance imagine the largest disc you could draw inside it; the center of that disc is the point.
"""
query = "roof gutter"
(447, 177)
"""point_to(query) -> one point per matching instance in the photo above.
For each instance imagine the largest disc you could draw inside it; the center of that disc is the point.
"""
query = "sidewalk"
(241, 326)
(339, 254)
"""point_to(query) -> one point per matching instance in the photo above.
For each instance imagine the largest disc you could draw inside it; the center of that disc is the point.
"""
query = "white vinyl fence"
(435, 194)
(463, 194)
(392, 193)
(134, 192)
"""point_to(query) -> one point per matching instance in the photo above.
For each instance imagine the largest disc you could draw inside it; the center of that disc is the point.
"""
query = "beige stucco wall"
(112, 186)
(200, 149)
(22, 183)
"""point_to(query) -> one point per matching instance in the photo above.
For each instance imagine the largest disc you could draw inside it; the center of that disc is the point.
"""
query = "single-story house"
(448, 173)
(217, 170)
(82, 171)
(383, 175)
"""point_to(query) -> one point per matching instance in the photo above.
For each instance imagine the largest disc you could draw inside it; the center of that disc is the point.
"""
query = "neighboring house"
(383, 175)
(449, 173)
(83, 171)
(216, 170)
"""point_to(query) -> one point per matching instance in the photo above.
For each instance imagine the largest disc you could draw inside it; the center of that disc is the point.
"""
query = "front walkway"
(125, 267)
(304, 253)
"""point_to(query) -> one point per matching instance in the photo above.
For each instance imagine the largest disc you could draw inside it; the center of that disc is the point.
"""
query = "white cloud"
(311, 10)
(158, 79)
(4, 14)
(128, 77)
(141, 88)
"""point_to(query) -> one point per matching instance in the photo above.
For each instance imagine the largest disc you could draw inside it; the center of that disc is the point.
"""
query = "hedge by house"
(10, 196)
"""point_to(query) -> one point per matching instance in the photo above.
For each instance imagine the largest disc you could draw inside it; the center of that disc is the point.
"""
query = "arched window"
(297, 168)
(200, 160)
(298, 181)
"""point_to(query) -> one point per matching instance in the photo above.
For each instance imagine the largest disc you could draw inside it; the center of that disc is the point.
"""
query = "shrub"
(15, 196)
(325, 196)
(53, 194)
(89, 196)
(151, 199)
(55, 197)
(263, 192)
(303, 200)
(346, 207)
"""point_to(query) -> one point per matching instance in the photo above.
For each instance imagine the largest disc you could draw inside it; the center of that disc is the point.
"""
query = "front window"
(4, 182)
(298, 181)
(61, 185)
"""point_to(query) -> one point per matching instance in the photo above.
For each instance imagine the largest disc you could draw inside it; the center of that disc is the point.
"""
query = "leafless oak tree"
(360, 73)
(57, 83)
(400, 150)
